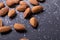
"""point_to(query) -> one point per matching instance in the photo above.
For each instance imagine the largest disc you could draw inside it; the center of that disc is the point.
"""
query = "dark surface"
(48, 28)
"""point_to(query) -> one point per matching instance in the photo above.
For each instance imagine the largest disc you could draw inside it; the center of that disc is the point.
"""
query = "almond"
(2, 5)
(33, 22)
(9, 3)
(37, 9)
(3, 11)
(0, 22)
(21, 8)
(19, 27)
(34, 2)
(11, 13)
(27, 12)
(5, 29)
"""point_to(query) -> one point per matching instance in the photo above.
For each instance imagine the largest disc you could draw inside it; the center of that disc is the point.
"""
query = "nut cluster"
(22, 7)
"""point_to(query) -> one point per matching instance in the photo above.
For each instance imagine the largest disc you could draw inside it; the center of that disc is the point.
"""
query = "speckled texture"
(48, 28)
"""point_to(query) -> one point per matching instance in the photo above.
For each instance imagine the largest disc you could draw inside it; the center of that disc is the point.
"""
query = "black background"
(49, 23)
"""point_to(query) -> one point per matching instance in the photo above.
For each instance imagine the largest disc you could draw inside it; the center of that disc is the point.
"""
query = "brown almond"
(19, 27)
(2, 5)
(3, 11)
(21, 8)
(11, 13)
(9, 2)
(27, 12)
(34, 2)
(24, 38)
(0, 22)
(5, 29)
(33, 22)
(37, 9)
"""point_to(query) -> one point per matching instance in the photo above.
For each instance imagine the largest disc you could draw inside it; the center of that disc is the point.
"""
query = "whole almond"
(5, 29)
(11, 13)
(33, 22)
(12, 2)
(37, 9)
(21, 8)
(24, 38)
(2, 5)
(19, 27)
(34, 2)
(0, 22)
(9, 2)
(27, 12)
(3, 11)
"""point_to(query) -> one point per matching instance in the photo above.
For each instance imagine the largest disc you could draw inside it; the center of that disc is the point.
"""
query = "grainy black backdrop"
(49, 23)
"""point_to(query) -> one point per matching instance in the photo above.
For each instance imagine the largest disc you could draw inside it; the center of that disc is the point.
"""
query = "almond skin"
(33, 22)
(27, 12)
(37, 9)
(21, 8)
(3, 11)
(9, 3)
(0, 22)
(24, 39)
(19, 27)
(5, 29)
(22, 3)
(16, 1)
(11, 13)
(34, 2)
(2, 5)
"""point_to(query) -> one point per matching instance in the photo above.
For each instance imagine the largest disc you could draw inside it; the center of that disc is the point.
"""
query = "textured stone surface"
(48, 28)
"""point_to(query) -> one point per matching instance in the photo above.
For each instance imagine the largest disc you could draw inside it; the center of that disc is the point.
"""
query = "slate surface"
(48, 28)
